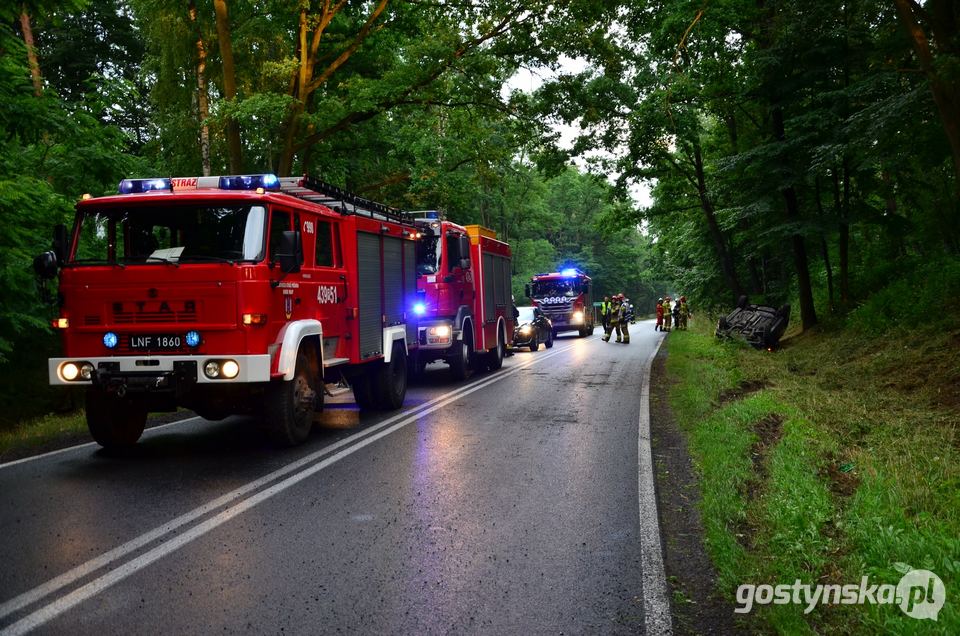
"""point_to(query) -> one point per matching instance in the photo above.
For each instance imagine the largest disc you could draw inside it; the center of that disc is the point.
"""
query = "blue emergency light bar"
(570, 272)
(250, 182)
(137, 186)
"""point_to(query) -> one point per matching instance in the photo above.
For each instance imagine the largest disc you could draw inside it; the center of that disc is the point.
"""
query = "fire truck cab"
(566, 298)
(226, 295)
(464, 307)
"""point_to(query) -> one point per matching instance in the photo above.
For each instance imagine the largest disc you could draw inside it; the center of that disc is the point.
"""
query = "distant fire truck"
(238, 294)
(565, 298)
(465, 309)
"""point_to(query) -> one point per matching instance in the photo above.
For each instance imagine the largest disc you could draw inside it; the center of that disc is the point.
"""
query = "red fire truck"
(464, 307)
(565, 298)
(240, 294)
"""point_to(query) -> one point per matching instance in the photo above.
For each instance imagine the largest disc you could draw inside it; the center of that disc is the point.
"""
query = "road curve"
(505, 504)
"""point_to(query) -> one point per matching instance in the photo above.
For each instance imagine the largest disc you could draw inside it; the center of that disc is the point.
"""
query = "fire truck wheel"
(114, 422)
(495, 357)
(391, 380)
(363, 391)
(290, 405)
(549, 343)
(460, 361)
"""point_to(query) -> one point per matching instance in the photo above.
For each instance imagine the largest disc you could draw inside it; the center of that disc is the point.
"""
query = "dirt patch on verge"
(769, 430)
(840, 477)
(745, 388)
(697, 606)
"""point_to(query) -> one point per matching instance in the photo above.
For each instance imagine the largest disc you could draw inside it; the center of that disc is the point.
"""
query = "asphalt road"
(506, 504)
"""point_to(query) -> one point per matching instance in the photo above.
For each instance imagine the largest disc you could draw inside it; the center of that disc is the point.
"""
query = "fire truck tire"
(495, 357)
(114, 422)
(390, 381)
(290, 405)
(460, 361)
(549, 343)
(362, 386)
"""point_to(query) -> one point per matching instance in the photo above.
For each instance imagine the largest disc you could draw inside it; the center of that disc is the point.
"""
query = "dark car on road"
(533, 327)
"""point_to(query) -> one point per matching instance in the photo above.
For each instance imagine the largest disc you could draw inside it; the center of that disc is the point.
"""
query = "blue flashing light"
(138, 186)
(570, 272)
(431, 214)
(250, 182)
(110, 340)
(192, 338)
(419, 309)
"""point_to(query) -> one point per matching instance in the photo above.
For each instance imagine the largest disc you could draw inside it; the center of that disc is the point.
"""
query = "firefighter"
(659, 325)
(676, 315)
(666, 313)
(684, 312)
(623, 320)
(614, 320)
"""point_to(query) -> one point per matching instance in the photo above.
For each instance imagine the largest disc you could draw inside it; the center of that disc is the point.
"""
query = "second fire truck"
(565, 297)
(464, 306)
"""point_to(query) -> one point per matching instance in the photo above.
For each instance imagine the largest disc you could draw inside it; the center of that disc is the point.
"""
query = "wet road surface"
(505, 504)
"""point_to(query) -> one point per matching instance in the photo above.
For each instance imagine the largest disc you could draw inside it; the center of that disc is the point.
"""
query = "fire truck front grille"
(154, 317)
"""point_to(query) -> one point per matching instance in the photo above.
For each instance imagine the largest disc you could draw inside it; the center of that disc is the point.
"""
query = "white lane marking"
(656, 604)
(70, 448)
(73, 575)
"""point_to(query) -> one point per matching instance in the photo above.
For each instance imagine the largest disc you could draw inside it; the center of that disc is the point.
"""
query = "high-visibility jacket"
(666, 307)
(605, 308)
(615, 313)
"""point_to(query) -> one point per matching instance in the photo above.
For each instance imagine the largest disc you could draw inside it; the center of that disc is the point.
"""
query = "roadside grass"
(41, 434)
(834, 458)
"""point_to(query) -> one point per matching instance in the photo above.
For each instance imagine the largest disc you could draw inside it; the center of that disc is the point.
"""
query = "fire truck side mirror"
(290, 253)
(464, 249)
(526, 290)
(61, 243)
(45, 265)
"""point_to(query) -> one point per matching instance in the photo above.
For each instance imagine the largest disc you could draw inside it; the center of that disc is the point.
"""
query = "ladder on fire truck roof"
(317, 191)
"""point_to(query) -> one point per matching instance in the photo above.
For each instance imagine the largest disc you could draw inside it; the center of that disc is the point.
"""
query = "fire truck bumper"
(159, 373)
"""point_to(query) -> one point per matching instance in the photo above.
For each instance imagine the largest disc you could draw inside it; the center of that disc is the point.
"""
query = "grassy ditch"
(43, 434)
(834, 458)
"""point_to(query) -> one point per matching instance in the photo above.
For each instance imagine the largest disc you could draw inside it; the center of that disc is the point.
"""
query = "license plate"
(155, 342)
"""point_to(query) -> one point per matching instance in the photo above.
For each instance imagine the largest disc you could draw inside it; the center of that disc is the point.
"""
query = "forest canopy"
(796, 151)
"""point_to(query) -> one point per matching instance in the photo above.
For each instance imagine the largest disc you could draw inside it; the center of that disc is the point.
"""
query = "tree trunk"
(824, 249)
(843, 247)
(808, 312)
(203, 106)
(945, 25)
(716, 234)
(229, 84)
(31, 51)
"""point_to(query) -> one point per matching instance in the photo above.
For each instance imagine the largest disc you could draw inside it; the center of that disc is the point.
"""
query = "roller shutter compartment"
(369, 294)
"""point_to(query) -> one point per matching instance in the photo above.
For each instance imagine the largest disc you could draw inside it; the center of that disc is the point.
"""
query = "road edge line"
(657, 618)
(24, 460)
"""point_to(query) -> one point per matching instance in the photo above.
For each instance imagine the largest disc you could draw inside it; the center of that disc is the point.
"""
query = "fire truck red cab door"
(286, 302)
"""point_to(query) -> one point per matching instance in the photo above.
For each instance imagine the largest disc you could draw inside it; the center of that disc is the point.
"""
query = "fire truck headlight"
(578, 316)
(442, 331)
(86, 371)
(212, 369)
(229, 369)
(192, 338)
(110, 340)
(419, 309)
(69, 371)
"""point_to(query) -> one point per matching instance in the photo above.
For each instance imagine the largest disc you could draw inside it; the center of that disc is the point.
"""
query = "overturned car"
(761, 326)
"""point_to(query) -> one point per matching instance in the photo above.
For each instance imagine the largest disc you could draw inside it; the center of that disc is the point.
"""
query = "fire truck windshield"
(428, 255)
(171, 234)
(545, 288)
